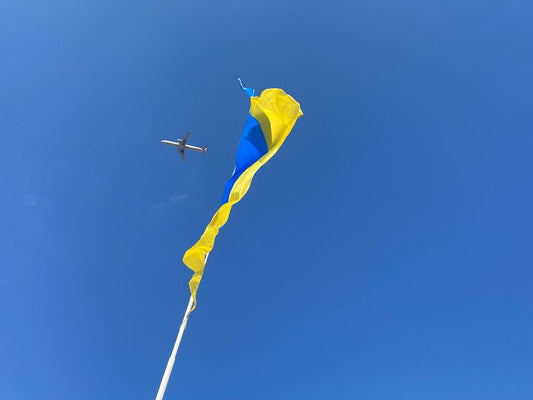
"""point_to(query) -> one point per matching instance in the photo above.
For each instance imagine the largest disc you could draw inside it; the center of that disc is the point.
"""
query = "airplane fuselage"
(182, 146)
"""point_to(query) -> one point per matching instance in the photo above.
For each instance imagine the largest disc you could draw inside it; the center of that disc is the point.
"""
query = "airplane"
(181, 144)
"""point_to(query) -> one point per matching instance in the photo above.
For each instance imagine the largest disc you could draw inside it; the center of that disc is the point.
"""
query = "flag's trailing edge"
(270, 120)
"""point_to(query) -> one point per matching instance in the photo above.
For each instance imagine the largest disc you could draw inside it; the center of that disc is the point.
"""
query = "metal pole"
(170, 363)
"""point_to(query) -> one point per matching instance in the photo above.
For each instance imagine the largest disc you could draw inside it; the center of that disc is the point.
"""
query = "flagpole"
(170, 363)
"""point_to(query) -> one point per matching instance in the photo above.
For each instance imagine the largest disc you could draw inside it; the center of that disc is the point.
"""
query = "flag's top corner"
(250, 92)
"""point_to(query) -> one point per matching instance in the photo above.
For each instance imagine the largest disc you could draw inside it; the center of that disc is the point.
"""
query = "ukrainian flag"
(270, 120)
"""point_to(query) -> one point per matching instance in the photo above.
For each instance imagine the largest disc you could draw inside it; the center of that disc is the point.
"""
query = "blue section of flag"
(252, 147)
(250, 92)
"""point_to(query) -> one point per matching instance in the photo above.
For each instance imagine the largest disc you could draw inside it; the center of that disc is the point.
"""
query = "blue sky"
(384, 252)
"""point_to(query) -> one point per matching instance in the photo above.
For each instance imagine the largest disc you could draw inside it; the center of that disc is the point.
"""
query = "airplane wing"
(182, 154)
(184, 140)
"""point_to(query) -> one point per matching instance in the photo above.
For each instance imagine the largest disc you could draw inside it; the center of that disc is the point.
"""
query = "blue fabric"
(252, 147)
(249, 92)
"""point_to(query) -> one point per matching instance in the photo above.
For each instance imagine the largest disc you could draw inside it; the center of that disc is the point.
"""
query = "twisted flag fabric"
(270, 120)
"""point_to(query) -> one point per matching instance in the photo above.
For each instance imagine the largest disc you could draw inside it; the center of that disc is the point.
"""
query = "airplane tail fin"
(204, 150)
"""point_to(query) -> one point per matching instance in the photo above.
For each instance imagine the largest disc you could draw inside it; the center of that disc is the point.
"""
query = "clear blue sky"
(384, 253)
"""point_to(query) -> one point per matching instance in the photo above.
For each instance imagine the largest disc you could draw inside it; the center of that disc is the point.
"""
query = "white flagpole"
(170, 363)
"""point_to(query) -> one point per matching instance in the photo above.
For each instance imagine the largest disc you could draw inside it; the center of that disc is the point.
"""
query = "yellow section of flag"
(276, 113)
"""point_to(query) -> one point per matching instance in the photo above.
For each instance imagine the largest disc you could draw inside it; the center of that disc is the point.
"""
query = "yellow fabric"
(277, 113)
